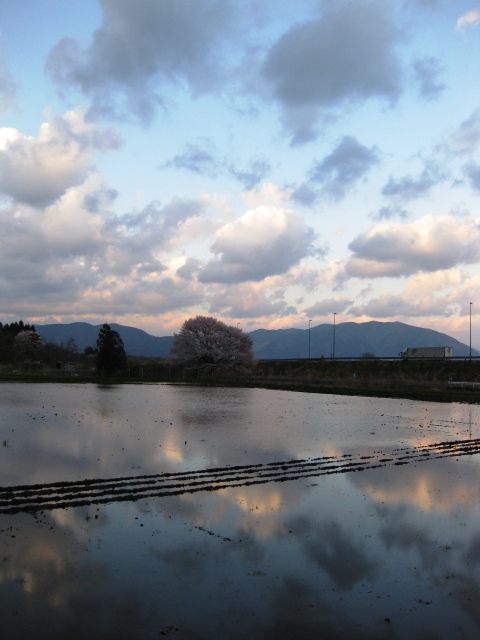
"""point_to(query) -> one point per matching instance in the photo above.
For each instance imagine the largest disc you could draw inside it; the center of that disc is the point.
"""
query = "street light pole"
(470, 331)
(334, 335)
(309, 325)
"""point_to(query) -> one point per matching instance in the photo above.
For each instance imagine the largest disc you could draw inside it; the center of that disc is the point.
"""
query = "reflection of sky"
(332, 556)
(80, 431)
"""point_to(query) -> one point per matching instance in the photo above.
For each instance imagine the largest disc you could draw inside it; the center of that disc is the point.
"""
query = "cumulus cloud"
(441, 294)
(189, 268)
(329, 62)
(336, 173)
(267, 193)
(76, 255)
(427, 71)
(156, 295)
(428, 244)
(48, 258)
(396, 305)
(38, 171)
(249, 300)
(155, 226)
(265, 241)
(142, 47)
(100, 199)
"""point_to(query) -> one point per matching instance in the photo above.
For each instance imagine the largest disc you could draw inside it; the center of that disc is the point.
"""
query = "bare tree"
(209, 345)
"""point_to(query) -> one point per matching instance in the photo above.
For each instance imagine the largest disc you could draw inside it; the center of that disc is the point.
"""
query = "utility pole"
(309, 325)
(471, 331)
(334, 335)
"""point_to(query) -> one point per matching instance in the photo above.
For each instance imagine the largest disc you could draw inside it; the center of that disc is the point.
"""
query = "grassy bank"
(421, 380)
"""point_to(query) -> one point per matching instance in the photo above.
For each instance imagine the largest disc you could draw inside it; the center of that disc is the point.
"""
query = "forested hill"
(136, 341)
(382, 339)
(352, 339)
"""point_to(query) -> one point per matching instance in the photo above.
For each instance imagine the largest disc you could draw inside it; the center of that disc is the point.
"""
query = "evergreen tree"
(8, 332)
(111, 356)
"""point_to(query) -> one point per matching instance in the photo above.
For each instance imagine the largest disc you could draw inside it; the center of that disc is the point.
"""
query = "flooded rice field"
(150, 511)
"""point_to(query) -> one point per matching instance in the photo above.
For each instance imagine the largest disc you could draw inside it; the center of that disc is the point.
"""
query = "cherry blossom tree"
(28, 344)
(209, 346)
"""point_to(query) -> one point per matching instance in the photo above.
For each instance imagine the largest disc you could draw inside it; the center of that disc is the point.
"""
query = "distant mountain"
(352, 339)
(136, 341)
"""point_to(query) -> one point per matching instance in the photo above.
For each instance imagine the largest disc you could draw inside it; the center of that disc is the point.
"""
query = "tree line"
(21, 343)
(204, 345)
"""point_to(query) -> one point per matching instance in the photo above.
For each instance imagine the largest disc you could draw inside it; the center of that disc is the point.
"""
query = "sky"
(266, 163)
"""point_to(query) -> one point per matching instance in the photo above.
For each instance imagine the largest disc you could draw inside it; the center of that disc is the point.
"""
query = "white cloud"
(442, 294)
(428, 244)
(267, 193)
(76, 256)
(470, 19)
(265, 241)
(248, 300)
(38, 171)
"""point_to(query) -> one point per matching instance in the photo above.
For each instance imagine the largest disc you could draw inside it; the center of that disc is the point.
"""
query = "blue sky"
(263, 162)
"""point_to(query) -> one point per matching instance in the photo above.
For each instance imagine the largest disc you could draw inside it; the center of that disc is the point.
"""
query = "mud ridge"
(58, 495)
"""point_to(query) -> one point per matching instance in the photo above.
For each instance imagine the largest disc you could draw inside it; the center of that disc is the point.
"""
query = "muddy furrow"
(103, 490)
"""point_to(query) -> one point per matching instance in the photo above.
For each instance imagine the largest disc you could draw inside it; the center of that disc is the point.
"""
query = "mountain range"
(352, 339)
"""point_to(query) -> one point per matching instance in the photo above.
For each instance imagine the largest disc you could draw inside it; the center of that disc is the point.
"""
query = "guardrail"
(464, 385)
(375, 359)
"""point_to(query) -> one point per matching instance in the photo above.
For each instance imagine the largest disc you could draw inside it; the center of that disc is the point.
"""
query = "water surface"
(388, 547)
